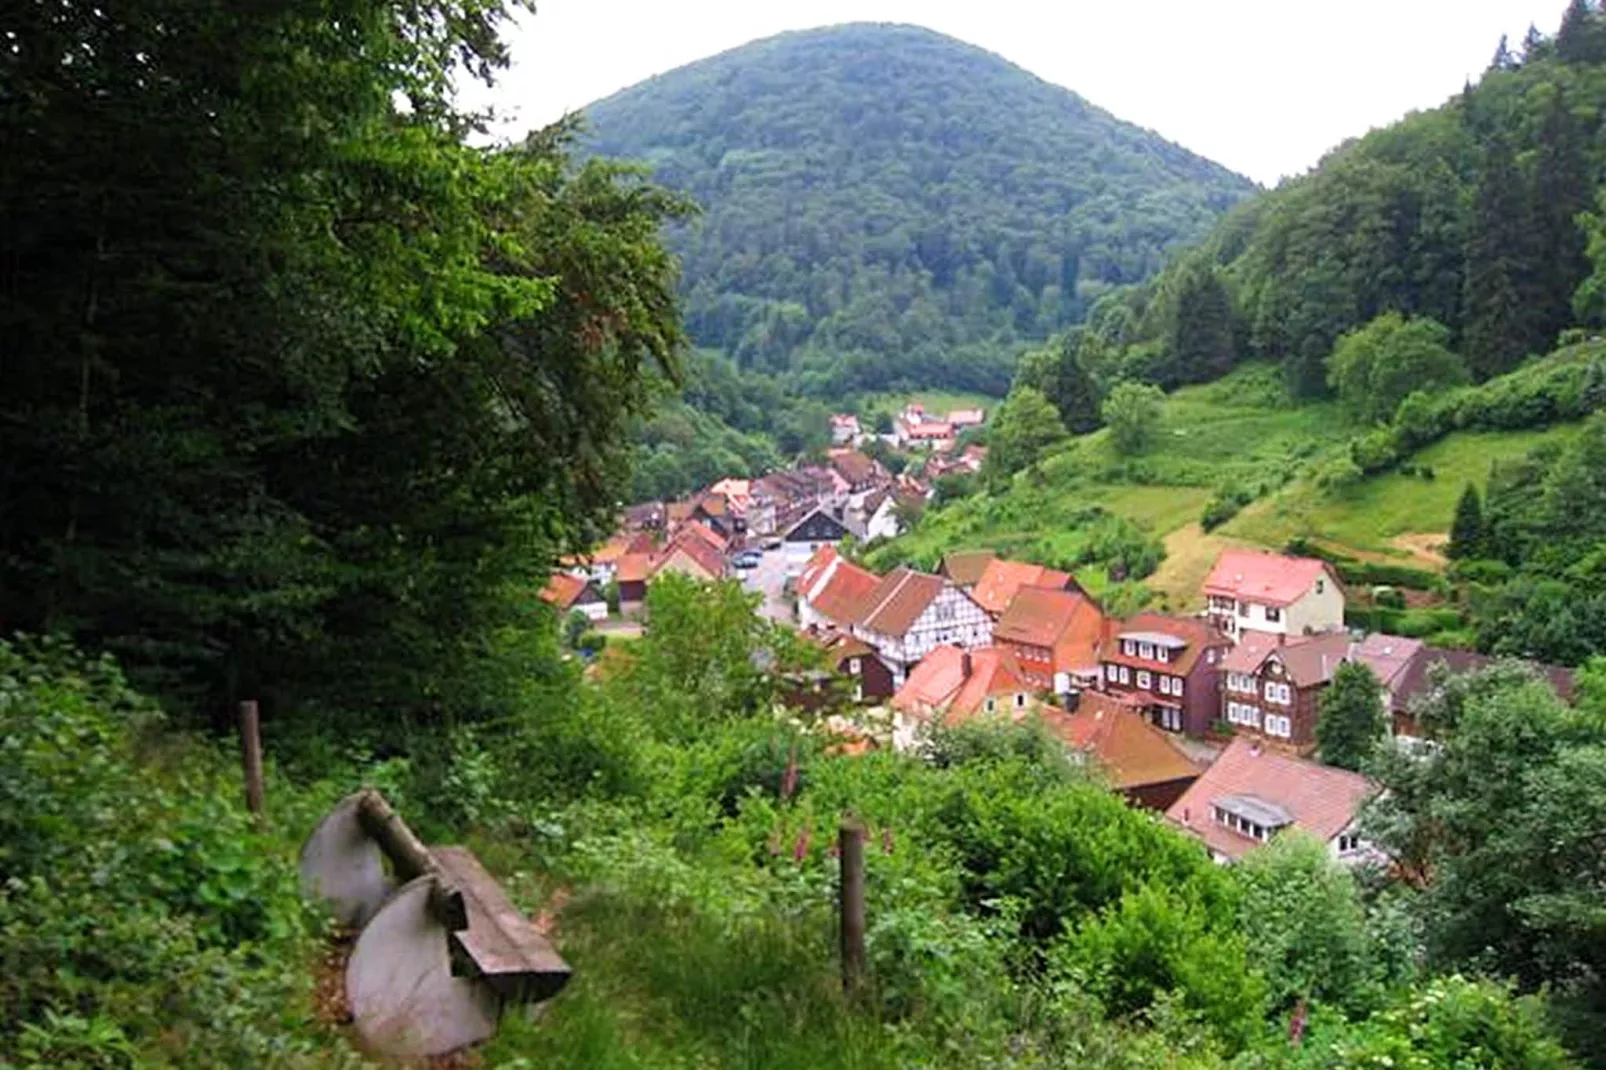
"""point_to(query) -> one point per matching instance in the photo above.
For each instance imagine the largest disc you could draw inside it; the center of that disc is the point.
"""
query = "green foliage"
(1024, 426)
(143, 919)
(1304, 925)
(1352, 720)
(940, 208)
(303, 386)
(1376, 367)
(1133, 412)
(1466, 530)
(1224, 506)
(1497, 813)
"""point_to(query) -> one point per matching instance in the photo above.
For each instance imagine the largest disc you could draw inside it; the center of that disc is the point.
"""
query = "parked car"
(772, 544)
(747, 559)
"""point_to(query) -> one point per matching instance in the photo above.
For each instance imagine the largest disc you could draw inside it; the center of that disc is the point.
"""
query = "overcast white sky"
(1263, 86)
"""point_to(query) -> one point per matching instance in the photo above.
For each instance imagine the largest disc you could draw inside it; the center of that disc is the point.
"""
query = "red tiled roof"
(941, 683)
(1269, 579)
(1196, 633)
(702, 555)
(1126, 743)
(563, 590)
(704, 532)
(816, 567)
(1321, 800)
(1067, 622)
(1001, 579)
(1250, 654)
(853, 466)
(635, 567)
(965, 567)
(843, 591)
(1389, 657)
(1312, 660)
(897, 601)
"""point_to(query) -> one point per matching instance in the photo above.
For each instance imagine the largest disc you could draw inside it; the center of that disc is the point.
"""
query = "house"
(714, 511)
(601, 563)
(965, 419)
(1415, 684)
(572, 594)
(829, 590)
(951, 686)
(691, 555)
(859, 472)
(844, 429)
(1001, 579)
(632, 575)
(915, 427)
(819, 528)
(648, 516)
(966, 567)
(1055, 635)
(1271, 685)
(1141, 761)
(1250, 591)
(909, 614)
(700, 530)
(880, 511)
(1253, 792)
(858, 661)
(738, 495)
(1168, 666)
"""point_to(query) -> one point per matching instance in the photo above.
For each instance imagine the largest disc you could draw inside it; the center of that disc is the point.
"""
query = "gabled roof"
(853, 466)
(1001, 579)
(1312, 660)
(1067, 622)
(841, 646)
(1389, 657)
(704, 532)
(635, 567)
(699, 552)
(1196, 633)
(821, 511)
(1321, 800)
(957, 683)
(1250, 654)
(677, 512)
(897, 601)
(566, 591)
(1126, 743)
(834, 586)
(1416, 680)
(1267, 579)
(965, 567)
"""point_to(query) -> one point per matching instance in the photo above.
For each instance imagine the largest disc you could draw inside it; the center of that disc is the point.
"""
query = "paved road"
(769, 578)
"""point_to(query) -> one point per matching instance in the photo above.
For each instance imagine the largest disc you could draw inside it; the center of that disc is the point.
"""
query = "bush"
(1224, 506)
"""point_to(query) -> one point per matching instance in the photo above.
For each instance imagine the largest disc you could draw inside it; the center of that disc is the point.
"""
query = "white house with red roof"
(909, 614)
(830, 589)
(1251, 591)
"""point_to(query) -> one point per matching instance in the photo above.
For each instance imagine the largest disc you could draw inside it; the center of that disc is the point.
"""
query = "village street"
(769, 579)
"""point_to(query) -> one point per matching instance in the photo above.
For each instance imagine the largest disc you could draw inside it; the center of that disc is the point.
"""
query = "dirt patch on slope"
(1426, 548)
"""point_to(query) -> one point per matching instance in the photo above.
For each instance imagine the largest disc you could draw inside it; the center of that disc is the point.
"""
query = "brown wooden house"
(1166, 666)
(1271, 687)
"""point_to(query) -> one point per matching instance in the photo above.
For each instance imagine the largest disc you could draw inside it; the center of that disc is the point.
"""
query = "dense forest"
(1477, 215)
(883, 206)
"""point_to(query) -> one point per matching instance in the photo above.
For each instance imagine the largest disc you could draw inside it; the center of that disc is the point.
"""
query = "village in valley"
(1209, 718)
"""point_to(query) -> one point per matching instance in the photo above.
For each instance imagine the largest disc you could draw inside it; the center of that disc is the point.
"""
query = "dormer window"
(1146, 651)
(1162, 654)
(1129, 648)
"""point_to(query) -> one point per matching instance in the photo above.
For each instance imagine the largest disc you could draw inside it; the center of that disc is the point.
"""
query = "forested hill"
(1477, 215)
(886, 206)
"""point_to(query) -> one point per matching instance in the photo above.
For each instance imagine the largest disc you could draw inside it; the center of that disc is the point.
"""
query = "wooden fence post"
(251, 751)
(851, 850)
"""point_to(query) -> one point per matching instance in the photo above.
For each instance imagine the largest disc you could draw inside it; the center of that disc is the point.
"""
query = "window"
(1274, 614)
(991, 705)
(1144, 680)
(1111, 673)
(1243, 609)
(1347, 841)
(1126, 675)
(1020, 700)
(1211, 655)
(1170, 719)
(1129, 648)
(1165, 685)
(854, 665)
(1279, 726)
(1321, 585)
(1161, 654)
(1279, 693)
(945, 611)
(1146, 651)
(1176, 686)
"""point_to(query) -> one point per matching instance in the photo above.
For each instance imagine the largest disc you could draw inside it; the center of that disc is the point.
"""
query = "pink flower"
(789, 778)
(800, 850)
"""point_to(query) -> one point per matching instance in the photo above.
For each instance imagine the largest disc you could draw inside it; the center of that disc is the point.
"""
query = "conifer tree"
(1499, 321)
(1352, 717)
(1580, 39)
(1503, 59)
(1466, 531)
(1202, 345)
(1561, 193)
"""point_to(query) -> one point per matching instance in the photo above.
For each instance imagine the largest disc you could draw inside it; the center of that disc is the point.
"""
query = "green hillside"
(885, 207)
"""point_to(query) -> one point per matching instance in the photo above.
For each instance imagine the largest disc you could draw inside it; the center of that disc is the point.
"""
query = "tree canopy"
(1375, 367)
(887, 208)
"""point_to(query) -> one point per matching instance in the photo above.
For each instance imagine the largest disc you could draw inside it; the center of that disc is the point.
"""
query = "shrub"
(1224, 506)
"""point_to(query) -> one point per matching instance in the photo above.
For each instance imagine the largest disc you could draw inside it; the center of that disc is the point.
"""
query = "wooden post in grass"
(251, 751)
(851, 894)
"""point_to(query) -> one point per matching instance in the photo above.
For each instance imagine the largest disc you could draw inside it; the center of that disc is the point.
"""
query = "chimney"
(964, 664)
